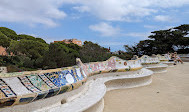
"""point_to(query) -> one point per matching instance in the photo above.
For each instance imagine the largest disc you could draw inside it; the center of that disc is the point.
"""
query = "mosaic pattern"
(62, 78)
(25, 81)
(114, 64)
(6, 89)
(79, 74)
(149, 60)
(47, 83)
(162, 58)
(38, 82)
(2, 95)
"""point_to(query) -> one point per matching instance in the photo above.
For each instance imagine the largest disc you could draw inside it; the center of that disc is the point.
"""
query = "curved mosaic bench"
(184, 57)
(153, 63)
(165, 60)
(43, 84)
(114, 73)
(114, 64)
(92, 99)
(40, 86)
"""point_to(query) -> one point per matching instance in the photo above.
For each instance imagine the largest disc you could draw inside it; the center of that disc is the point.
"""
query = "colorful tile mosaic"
(62, 78)
(38, 82)
(79, 75)
(47, 83)
(6, 89)
(2, 95)
(25, 81)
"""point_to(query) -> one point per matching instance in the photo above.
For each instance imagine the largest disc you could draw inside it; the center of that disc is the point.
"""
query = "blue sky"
(110, 23)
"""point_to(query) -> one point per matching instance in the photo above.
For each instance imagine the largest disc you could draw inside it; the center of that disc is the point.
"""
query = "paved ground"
(169, 92)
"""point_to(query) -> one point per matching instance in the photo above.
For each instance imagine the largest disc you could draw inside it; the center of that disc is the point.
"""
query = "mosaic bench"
(153, 63)
(30, 87)
(114, 73)
(165, 60)
(35, 89)
(184, 57)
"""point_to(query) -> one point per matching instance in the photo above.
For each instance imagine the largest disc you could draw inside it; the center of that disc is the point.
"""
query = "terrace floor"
(168, 92)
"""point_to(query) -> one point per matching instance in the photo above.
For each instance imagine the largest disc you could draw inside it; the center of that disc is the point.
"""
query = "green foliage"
(91, 52)
(2, 62)
(59, 56)
(40, 40)
(28, 62)
(132, 50)
(13, 68)
(29, 48)
(164, 41)
(4, 41)
(26, 37)
(28, 51)
(9, 33)
(124, 55)
(183, 28)
(29, 37)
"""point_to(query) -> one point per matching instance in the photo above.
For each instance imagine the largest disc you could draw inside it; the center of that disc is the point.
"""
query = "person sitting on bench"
(176, 58)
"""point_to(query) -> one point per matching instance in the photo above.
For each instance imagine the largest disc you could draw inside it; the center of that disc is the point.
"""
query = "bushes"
(4, 41)
(60, 56)
(13, 68)
(91, 52)
(32, 53)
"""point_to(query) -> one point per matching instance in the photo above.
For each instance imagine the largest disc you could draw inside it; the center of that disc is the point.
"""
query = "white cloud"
(158, 27)
(82, 8)
(150, 26)
(31, 11)
(124, 10)
(105, 29)
(112, 43)
(163, 18)
(48, 11)
(142, 35)
(108, 30)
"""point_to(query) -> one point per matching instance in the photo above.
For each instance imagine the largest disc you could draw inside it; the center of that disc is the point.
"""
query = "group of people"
(174, 57)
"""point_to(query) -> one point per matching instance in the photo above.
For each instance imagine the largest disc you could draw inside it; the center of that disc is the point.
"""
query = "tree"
(133, 50)
(91, 52)
(28, 51)
(9, 33)
(164, 41)
(29, 48)
(4, 41)
(26, 37)
(183, 28)
(29, 37)
(31, 52)
(59, 55)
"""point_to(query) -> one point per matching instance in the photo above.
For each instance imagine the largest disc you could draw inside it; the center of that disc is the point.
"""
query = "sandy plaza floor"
(168, 92)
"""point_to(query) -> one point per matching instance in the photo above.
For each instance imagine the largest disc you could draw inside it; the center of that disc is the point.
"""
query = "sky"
(110, 23)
